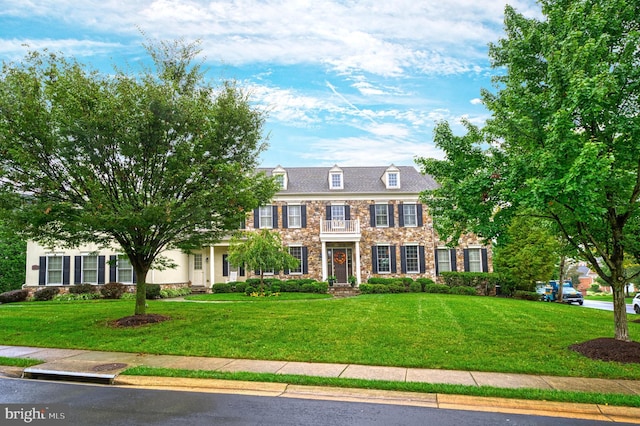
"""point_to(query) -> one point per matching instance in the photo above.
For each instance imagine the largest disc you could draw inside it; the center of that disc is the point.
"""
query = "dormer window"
(280, 176)
(391, 178)
(336, 178)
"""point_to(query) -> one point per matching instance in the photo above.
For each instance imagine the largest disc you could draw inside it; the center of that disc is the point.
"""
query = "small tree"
(261, 251)
(149, 160)
(12, 259)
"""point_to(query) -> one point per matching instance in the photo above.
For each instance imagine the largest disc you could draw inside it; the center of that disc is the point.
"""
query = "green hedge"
(47, 293)
(526, 295)
(437, 288)
(483, 282)
(14, 296)
(222, 288)
(466, 291)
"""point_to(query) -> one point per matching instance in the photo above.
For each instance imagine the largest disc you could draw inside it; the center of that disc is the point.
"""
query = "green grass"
(19, 362)
(484, 391)
(606, 298)
(239, 297)
(407, 330)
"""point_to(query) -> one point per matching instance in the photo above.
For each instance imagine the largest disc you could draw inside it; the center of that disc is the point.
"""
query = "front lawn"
(408, 330)
(241, 297)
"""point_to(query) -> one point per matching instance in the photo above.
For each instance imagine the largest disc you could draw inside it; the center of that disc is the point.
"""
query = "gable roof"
(360, 180)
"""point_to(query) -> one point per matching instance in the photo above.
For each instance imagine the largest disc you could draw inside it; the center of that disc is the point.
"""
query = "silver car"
(636, 303)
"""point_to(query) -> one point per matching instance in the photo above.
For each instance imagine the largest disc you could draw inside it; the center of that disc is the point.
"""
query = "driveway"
(607, 306)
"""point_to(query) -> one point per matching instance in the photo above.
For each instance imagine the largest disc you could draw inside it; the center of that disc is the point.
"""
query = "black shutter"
(242, 273)
(274, 217)
(285, 219)
(225, 265)
(113, 262)
(328, 212)
(403, 259)
(454, 260)
(77, 269)
(419, 214)
(256, 218)
(372, 212)
(466, 259)
(347, 212)
(392, 249)
(135, 280)
(66, 269)
(422, 260)
(303, 216)
(485, 260)
(42, 270)
(435, 257)
(101, 269)
(401, 215)
(391, 216)
(374, 259)
(305, 260)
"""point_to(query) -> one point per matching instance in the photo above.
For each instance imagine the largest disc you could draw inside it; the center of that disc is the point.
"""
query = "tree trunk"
(561, 279)
(619, 304)
(141, 291)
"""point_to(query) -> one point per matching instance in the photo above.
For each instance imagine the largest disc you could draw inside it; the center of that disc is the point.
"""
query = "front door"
(340, 265)
(198, 270)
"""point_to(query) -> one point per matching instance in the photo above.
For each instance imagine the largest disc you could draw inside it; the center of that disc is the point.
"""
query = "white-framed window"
(89, 269)
(279, 180)
(124, 270)
(338, 212)
(382, 215)
(474, 259)
(412, 258)
(384, 259)
(336, 180)
(197, 261)
(296, 252)
(393, 180)
(410, 214)
(444, 260)
(266, 216)
(54, 270)
(294, 216)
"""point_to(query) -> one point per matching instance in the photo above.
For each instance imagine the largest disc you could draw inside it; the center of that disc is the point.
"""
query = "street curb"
(374, 396)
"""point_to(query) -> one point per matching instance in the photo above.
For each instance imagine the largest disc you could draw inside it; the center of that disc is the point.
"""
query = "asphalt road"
(81, 404)
(607, 306)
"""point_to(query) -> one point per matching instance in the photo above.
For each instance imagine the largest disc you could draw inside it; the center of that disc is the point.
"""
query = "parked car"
(571, 295)
(636, 303)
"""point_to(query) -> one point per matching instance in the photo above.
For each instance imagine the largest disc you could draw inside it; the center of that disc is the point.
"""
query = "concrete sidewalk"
(106, 367)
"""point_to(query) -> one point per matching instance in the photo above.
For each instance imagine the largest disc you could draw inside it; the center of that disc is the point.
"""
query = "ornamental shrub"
(436, 288)
(82, 289)
(290, 286)
(366, 288)
(239, 287)
(526, 295)
(113, 290)
(308, 288)
(464, 290)
(379, 289)
(396, 287)
(275, 288)
(221, 288)
(14, 296)
(152, 291)
(424, 282)
(45, 294)
(249, 290)
(415, 287)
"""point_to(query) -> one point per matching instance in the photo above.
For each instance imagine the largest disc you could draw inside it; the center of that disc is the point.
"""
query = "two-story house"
(358, 222)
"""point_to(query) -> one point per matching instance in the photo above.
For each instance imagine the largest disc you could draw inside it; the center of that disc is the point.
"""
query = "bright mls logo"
(14, 414)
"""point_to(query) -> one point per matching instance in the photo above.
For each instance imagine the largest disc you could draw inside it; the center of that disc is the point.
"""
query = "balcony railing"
(340, 227)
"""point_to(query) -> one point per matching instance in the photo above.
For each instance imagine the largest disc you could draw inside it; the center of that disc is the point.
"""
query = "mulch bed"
(609, 349)
(138, 320)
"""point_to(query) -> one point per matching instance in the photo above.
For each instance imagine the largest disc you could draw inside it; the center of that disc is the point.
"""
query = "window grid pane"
(337, 213)
(382, 215)
(475, 263)
(197, 262)
(294, 217)
(336, 180)
(125, 270)
(393, 180)
(444, 260)
(413, 263)
(54, 270)
(384, 259)
(410, 215)
(265, 217)
(297, 253)
(90, 269)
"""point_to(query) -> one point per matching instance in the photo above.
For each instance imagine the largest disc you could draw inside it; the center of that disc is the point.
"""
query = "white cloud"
(476, 101)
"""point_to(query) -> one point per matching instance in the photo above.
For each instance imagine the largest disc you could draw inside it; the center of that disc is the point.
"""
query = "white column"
(358, 272)
(324, 261)
(212, 270)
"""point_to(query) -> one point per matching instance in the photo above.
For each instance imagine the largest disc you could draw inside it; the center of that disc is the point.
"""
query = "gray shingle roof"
(314, 180)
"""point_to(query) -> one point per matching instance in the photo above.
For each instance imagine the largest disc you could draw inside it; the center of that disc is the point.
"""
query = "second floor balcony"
(339, 230)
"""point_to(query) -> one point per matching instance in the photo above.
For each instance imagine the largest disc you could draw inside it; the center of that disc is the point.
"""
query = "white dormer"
(281, 177)
(391, 177)
(336, 178)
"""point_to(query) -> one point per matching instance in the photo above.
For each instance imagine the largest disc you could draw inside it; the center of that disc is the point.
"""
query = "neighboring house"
(359, 222)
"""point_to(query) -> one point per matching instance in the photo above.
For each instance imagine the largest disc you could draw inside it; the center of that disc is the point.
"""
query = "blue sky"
(348, 82)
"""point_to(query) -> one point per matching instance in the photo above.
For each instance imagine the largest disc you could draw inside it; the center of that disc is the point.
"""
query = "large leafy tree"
(261, 251)
(148, 160)
(12, 259)
(564, 137)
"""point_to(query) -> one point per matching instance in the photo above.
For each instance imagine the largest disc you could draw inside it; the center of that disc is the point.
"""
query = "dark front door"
(340, 265)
